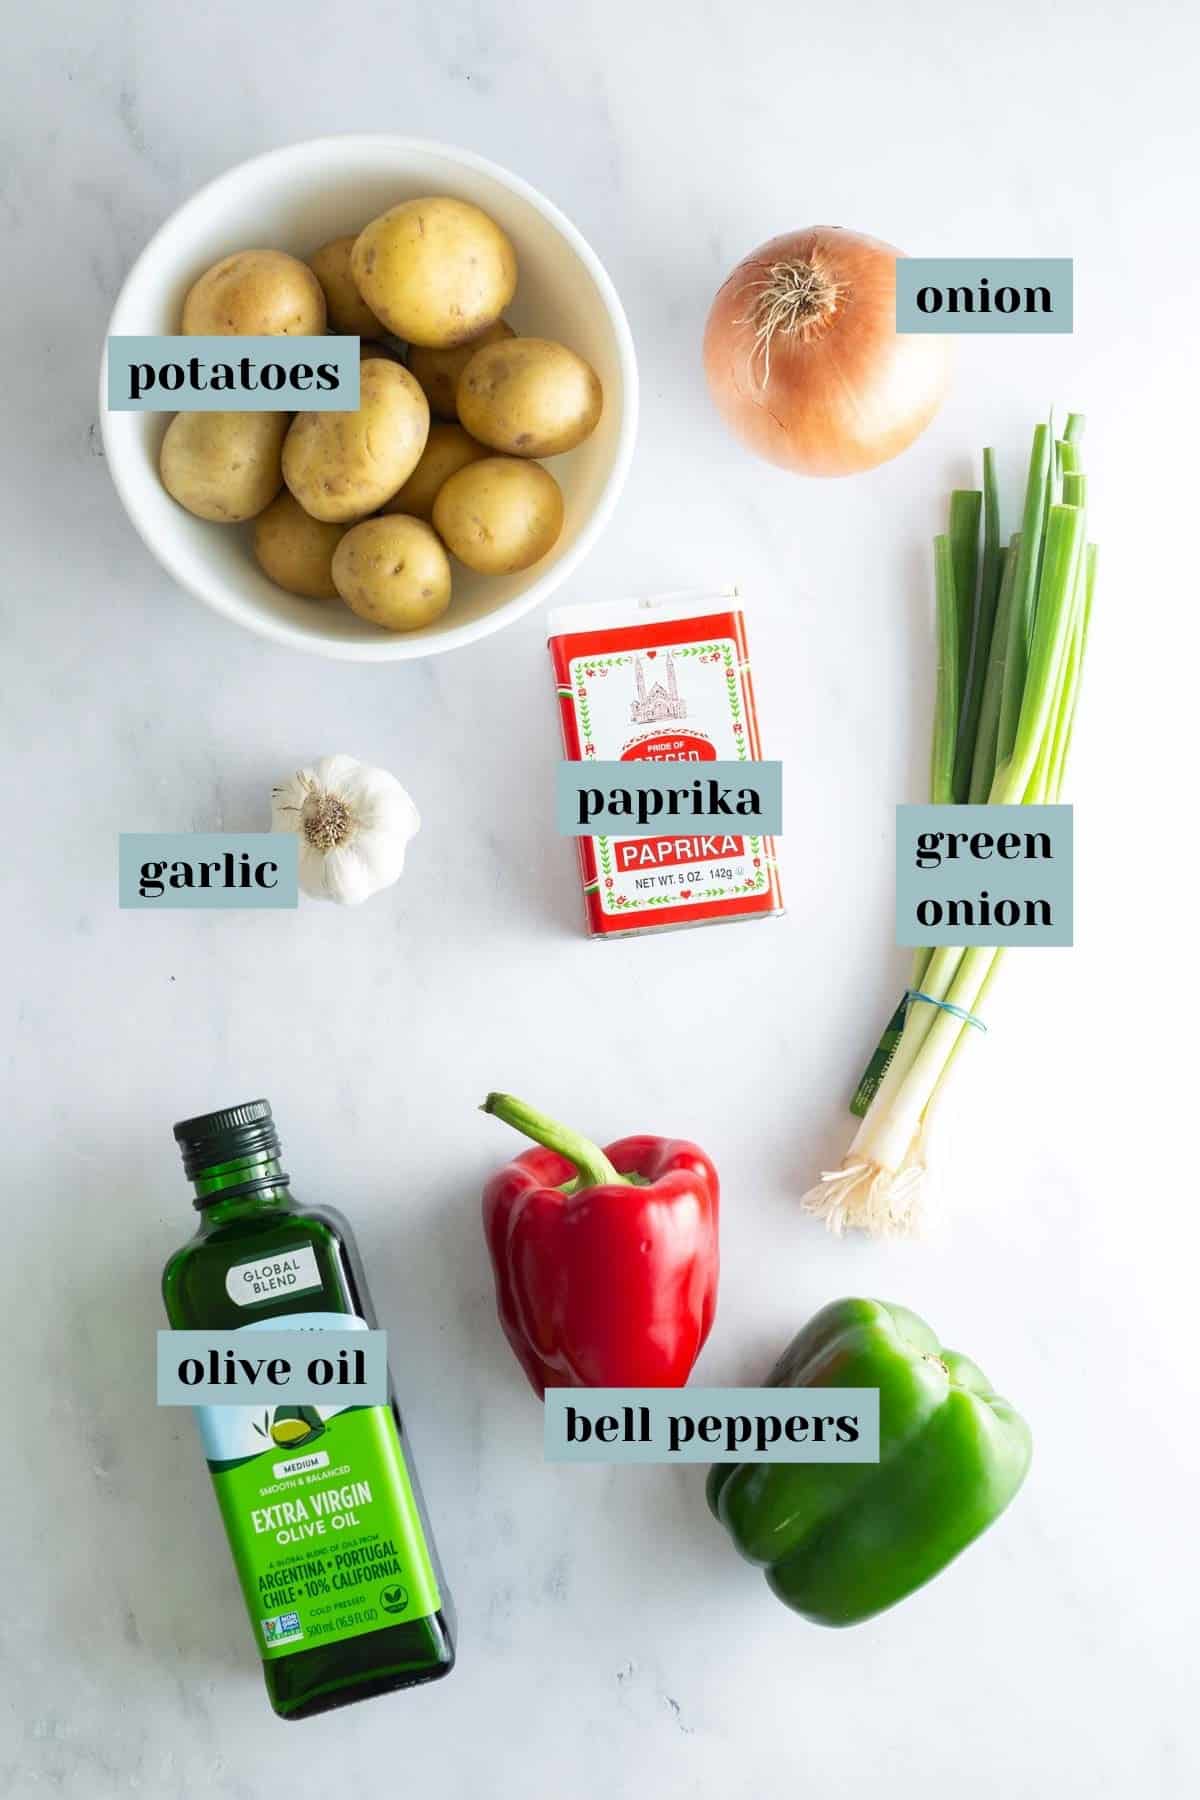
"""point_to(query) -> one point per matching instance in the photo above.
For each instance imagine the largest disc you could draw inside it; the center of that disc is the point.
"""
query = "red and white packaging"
(664, 680)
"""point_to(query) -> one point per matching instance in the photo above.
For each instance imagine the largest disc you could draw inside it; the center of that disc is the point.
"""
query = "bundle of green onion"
(1012, 629)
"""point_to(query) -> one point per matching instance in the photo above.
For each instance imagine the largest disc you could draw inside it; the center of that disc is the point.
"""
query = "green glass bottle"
(342, 1614)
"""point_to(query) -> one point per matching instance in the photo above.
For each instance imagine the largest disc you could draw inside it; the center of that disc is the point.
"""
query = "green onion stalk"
(1012, 630)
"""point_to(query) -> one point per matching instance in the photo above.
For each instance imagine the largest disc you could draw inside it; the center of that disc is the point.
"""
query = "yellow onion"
(804, 360)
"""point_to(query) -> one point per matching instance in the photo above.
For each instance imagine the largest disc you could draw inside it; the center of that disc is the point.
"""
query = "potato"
(449, 449)
(223, 465)
(294, 551)
(393, 572)
(345, 307)
(255, 293)
(438, 371)
(436, 271)
(343, 465)
(500, 514)
(529, 397)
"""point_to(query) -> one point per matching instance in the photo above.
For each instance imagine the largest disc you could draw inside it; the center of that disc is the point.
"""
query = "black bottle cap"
(214, 1138)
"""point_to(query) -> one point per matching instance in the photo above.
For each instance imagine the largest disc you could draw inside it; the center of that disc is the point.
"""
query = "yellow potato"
(345, 307)
(448, 450)
(500, 514)
(436, 271)
(294, 551)
(438, 371)
(393, 572)
(529, 397)
(255, 293)
(223, 465)
(343, 465)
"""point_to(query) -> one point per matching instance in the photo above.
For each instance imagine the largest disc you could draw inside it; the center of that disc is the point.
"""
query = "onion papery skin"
(847, 394)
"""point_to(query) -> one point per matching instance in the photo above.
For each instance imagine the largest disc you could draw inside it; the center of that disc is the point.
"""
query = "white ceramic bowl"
(296, 199)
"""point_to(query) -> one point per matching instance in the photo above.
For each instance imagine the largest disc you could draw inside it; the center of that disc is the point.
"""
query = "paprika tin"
(663, 680)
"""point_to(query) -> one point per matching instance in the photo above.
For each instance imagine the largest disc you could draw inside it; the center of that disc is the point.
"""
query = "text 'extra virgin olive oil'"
(335, 1619)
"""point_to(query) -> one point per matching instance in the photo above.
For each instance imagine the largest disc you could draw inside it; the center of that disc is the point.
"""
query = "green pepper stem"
(595, 1170)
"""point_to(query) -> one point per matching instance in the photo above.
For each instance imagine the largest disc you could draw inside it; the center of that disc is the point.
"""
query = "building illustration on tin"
(657, 702)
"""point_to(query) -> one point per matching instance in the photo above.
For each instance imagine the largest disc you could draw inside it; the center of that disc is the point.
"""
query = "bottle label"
(289, 1272)
(320, 1514)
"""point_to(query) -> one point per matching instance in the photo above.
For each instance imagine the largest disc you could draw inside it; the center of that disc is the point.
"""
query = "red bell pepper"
(605, 1261)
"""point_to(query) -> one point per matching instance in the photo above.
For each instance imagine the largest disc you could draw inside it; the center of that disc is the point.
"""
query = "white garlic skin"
(354, 824)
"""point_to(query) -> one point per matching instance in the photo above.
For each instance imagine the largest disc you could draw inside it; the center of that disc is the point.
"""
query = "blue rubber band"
(960, 1012)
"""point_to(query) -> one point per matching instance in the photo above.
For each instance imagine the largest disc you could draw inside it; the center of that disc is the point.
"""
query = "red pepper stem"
(595, 1170)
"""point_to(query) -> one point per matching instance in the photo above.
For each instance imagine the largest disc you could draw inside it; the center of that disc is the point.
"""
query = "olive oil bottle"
(335, 1620)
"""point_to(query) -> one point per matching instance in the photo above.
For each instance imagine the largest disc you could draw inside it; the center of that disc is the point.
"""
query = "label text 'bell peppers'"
(657, 1425)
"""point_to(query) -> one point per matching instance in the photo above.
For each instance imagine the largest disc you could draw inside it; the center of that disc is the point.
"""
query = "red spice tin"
(664, 680)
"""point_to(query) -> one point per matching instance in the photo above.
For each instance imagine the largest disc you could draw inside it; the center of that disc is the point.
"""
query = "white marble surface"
(611, 1643)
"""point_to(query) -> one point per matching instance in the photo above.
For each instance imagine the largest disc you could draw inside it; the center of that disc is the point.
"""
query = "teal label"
(320, 1514)
(994, 294)
(218, 1368)
(233, 374)
(667, 796)
(984, 875)
(163, 870)
(708, 1425)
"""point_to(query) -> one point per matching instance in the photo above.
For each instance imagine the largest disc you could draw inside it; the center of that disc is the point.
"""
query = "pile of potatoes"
(363, 506)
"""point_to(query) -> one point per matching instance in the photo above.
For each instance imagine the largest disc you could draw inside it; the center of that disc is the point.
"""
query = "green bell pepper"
(842, 1541)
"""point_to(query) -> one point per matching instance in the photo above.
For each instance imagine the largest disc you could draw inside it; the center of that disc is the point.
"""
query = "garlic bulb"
(354, 824)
